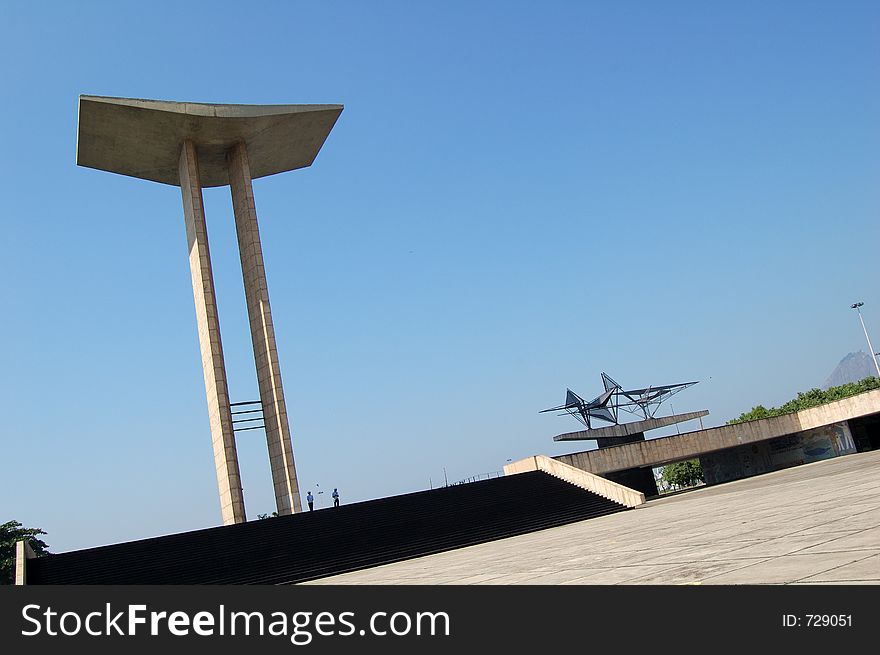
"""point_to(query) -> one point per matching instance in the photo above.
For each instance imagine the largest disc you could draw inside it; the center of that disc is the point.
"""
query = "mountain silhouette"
(852, 368)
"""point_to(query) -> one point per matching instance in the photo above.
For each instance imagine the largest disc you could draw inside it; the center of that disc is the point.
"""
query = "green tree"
(811, 398)
(754, 414)
(683, 474)
(10, 532)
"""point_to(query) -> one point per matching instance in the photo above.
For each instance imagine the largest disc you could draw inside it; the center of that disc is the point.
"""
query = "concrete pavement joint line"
(707, 577)
(847, 536)
(834, 568)
(875, 570)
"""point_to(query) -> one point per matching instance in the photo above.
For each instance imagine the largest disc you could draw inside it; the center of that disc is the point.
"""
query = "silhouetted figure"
(335, 497)
(310, 499)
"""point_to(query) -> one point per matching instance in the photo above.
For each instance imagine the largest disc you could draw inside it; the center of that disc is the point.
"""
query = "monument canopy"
(142, 138)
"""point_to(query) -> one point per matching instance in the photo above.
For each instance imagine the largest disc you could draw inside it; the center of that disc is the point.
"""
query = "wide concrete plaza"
(813, 524)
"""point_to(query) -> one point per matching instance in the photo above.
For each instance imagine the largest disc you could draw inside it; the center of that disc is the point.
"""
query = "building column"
(23, 553)
(222, 435)
(263, 333)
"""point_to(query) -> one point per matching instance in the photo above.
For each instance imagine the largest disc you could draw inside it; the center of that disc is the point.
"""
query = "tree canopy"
(807, 399)
(683, 474)
(10, 532)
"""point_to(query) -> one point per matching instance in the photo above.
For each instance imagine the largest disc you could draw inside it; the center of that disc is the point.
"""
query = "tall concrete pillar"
(263, 333)
(220, 414)
(142, 138)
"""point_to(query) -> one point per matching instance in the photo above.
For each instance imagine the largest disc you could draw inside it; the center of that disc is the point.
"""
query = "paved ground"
(813, 524)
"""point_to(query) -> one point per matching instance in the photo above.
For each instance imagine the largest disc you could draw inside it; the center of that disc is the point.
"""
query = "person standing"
(310, 499)
(335, 497)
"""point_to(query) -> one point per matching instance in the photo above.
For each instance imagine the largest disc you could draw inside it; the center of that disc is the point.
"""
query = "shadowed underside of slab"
(142, 138)
(626, 429)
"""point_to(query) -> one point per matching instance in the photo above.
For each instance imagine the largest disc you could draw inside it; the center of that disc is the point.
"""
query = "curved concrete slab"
(142, 138)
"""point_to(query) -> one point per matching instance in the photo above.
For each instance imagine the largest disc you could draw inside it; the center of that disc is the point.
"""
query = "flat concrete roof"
(142, 138)
(813, 524)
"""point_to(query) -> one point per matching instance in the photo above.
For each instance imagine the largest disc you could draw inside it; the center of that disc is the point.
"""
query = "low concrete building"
(730, 452)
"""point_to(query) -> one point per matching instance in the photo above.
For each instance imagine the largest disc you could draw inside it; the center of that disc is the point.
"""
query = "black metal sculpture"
(606, 406)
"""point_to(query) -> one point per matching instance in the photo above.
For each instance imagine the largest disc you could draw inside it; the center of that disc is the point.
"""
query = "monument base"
(629, 429)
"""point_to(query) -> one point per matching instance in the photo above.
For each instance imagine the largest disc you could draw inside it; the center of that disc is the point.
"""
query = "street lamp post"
(857, 306)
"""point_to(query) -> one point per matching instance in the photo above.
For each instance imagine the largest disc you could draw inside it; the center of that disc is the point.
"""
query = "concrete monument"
(196, 145)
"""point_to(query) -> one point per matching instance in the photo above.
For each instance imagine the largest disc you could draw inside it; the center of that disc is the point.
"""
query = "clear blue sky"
(517, 197)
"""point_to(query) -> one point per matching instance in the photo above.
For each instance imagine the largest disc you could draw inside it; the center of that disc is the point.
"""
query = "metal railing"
(478, 477)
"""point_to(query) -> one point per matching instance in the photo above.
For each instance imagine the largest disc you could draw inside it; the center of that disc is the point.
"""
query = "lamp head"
(856, 305)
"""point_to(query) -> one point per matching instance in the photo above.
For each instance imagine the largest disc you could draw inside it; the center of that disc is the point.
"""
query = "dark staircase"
(325, 542)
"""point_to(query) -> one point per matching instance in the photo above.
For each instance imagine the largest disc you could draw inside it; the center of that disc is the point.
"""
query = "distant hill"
(852, 368)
